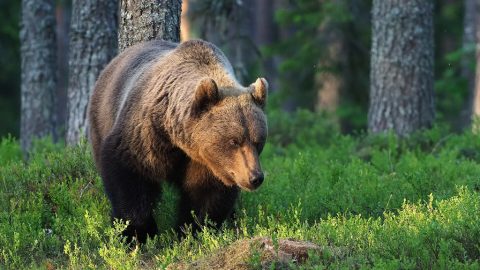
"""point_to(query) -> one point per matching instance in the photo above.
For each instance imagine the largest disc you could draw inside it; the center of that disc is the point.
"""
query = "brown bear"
(163, 111)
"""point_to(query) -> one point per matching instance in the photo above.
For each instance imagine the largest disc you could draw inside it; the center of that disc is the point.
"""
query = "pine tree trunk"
(93, 43)
(147, 20)
(230, 30)
(402, 58)
(63, 18)
(184, 22)
(469, 42)
(265, 30)
(330, 80)
(38, 78)
(475, 109)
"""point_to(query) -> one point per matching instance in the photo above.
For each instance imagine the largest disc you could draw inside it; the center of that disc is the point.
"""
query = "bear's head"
(230, 131)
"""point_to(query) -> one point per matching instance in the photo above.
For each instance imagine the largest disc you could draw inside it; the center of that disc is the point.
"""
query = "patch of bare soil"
(259, 252)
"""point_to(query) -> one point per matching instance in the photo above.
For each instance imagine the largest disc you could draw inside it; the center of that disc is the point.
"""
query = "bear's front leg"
(132, 196)
(215, 202)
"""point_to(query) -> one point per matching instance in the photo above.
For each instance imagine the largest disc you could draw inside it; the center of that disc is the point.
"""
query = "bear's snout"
(257, 179)
(252, 182)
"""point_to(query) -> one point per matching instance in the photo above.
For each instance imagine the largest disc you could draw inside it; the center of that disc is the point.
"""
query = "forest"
(372, 159)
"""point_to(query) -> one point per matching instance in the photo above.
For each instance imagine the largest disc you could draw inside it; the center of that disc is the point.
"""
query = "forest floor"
(340, 201)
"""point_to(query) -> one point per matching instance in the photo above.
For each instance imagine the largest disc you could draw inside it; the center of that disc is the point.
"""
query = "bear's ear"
(260, 92)
(206, 95)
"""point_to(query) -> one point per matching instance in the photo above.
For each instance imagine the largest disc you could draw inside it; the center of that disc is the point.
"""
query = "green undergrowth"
(375, 201)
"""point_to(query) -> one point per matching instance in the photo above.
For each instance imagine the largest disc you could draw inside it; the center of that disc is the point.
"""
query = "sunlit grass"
(380, 201)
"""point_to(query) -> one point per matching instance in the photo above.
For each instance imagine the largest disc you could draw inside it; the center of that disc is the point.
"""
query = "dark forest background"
(298, 45)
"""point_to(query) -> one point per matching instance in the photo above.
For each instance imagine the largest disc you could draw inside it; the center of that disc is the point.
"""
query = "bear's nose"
(257, 179)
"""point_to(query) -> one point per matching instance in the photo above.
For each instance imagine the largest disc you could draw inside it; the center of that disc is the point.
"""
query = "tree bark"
(265, 34)
(184, 22)
(93, 43)
(329, 81)
(469, 42)
(239, 47)
(228, 24)
(475, 109)
(63, 18)
(146, 20)
(402, 58)
(38, 63)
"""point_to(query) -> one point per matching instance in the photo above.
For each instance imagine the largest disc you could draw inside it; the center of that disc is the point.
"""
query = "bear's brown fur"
(162, 111)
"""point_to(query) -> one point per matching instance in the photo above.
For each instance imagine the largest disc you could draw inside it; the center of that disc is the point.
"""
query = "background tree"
(330, 80)
(472, 30)
(230, 25)
(467, 68)
(93, 43)
(293, 53)
(63, 17)
(184, 22)
(38, 65)
(402, 56)
(265, 34)
(323, 53)
(146, 20)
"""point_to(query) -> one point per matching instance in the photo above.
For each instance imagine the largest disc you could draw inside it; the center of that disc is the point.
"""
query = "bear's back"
(117, 82)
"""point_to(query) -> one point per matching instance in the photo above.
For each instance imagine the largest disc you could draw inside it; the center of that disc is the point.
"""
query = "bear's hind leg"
(132, 196)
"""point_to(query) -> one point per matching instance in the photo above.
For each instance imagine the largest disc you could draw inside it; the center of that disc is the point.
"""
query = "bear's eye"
(234, 142)
(259, 146)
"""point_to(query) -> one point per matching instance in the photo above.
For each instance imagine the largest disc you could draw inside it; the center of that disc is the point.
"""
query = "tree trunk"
(329, 85)
(230, 30)
(329, 81)
(93, 43)
(265, 34)
(38, 78)
(476, 88)
(469, 42)
(239, 47)
(402, 56)
(147, 20)
(63, 18)
(184, 22)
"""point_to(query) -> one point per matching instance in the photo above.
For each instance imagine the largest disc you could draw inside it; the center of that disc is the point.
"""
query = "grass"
(386, 203)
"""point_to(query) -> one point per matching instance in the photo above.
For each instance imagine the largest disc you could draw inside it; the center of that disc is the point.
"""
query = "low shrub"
(378, 201)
